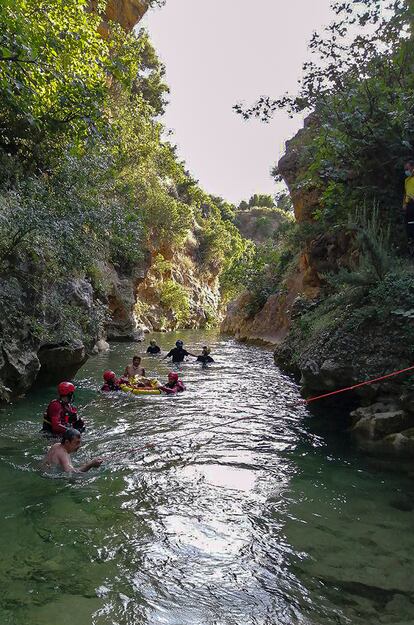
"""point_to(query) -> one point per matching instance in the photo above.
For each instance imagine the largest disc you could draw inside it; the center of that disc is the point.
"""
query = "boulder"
(19, 366)
(101, 347)
(381, 424)
(407, 402)
(60, 361)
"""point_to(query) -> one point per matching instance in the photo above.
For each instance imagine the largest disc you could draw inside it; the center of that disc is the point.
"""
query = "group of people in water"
(61, 417)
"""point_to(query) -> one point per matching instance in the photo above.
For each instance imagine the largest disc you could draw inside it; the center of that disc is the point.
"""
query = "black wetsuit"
(153, 349)
(204, 359)
(178, 354)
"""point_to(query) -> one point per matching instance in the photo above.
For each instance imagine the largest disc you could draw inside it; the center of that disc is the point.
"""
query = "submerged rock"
(101, 347)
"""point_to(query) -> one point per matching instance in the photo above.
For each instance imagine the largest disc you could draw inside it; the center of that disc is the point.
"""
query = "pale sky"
(220, 52)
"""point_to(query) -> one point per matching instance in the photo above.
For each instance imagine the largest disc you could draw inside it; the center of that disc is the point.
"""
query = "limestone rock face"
(24, 357)
(120, 299)
(305, 198)
(200, 290)
(271, 324)
(127, 13)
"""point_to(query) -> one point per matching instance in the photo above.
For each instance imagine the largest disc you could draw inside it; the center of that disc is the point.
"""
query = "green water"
(259, 522)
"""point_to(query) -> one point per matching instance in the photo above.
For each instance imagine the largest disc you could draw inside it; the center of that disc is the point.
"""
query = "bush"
(174, 297)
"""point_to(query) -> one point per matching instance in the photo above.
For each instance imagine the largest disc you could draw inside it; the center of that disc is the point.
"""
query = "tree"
(361, 92)
(53, 72)
(258, 200)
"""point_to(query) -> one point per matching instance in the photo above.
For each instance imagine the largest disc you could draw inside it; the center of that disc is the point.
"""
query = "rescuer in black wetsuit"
(178, 353)
(153, 348)
(205, 357)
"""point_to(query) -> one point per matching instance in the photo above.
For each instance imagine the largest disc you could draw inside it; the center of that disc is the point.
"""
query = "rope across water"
(354, 386)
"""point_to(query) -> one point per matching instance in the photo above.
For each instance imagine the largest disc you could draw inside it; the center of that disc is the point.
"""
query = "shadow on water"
(271, 520)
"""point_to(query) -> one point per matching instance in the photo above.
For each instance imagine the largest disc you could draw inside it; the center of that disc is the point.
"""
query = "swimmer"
(58, 455)
(111, 382)
(135, 369)
(205, 357)
(153, 348)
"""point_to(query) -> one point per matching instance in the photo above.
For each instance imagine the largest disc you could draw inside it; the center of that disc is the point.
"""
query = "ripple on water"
(252, 522)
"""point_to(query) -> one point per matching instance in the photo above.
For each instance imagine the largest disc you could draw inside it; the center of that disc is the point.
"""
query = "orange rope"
(351, 388)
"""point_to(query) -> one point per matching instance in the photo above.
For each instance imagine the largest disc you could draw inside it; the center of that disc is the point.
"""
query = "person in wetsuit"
(153, 348)
(58, 456)
(60, 414)
(205, 357)
(111, 382)
(178, 353)
(174, 385)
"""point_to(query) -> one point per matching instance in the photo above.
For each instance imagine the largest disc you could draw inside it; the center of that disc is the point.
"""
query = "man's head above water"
(71, 440)
(136, 361)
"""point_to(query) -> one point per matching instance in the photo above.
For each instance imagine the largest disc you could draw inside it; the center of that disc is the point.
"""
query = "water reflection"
(253, 522)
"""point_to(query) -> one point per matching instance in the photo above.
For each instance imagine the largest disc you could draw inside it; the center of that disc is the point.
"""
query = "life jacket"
(111, 385)
(176, 387)
(68, 416)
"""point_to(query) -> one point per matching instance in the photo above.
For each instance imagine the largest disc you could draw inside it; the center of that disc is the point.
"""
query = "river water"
(261, 521)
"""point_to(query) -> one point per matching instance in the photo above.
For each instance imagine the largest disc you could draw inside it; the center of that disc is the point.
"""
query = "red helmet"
(109, 375)
(65, 388)
(173, 376)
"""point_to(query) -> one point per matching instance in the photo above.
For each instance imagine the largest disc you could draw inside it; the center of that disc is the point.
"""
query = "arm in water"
(59, 454)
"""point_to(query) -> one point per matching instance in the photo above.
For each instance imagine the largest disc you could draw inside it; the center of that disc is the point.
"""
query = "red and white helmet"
(65, 388)
(173, 376)
(109, 375)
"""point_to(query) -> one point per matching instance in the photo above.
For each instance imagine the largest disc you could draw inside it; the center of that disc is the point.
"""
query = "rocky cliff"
(49, 329)
(51, 325)
(331, 343)
(46, 329)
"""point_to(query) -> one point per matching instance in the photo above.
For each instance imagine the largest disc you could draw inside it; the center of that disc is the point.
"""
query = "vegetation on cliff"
(345, 174)
(85, 174)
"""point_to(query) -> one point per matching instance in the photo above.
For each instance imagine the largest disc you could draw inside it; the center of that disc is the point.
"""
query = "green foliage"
(174, 297)
(258, 200)
(161, 266)
(64, 220)
(227, 210)
(53, 68)
(85, 176)
(149, 81)
(260, 269)
(284, 202)
(361, 90)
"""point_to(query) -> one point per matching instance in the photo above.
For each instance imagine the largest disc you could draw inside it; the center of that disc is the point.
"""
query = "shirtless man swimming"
(58, 455)
(135, 369)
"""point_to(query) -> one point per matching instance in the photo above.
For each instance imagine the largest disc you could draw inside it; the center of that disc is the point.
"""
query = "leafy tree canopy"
(360, 88)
